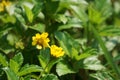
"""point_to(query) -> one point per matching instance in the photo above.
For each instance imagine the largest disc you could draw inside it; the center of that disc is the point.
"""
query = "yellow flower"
(40, 40)
(56, 51)
(1, 7)
(4, 4)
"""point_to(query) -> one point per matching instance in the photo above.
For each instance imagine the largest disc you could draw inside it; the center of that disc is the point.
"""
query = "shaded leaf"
(10, 74)
(44, 57)
(49, 77)
(64, 68)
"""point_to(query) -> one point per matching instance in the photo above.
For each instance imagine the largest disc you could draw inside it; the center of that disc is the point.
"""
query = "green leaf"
(49, 77)
(108, 56)
(71, 23)
(102, 76)
(4, 30)
(3, 61)
(12, 38)
(10, 74)
(69, 45)
(18, 58)
(14, 66)
(63, 40)
(93, 63)
(38, 27)
(27, 69)
(61, 18)
(29, 14)
(37, 8)
(51, 6)
(51, 64)
(8, 19)
(85, 54)
(64, 68)
(20, 18)
(95, 16)
(44, 57)
(110, 31)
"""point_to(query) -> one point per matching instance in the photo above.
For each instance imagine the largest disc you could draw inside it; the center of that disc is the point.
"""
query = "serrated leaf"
(102, 76)
(85, 54)
(18, 58)
(3, 61)
(49, 77)
(14, 66)
(93, 63)
(38, 27)
(29, 69)
(10, 74)
(67, 43)
(63, 40)
(64, 68)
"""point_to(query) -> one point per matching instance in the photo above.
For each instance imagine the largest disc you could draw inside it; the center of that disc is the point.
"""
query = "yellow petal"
(34, 43)
(39, 47)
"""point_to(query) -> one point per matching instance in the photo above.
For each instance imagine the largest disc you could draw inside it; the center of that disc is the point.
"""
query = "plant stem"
(108, 56)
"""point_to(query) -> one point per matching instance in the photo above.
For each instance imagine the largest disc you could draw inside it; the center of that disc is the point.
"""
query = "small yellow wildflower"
(4, 4)
(40, 40)
(56, 51)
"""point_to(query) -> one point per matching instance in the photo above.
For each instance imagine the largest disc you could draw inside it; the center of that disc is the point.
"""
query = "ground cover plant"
(59, 40)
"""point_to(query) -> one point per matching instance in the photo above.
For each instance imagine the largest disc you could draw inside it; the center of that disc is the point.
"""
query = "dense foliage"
(59, 40)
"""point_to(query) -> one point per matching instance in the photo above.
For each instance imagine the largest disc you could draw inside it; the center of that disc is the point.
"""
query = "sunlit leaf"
(14, 66)
(102, 76)
(93, 63)
(29, 14)
(3, 61)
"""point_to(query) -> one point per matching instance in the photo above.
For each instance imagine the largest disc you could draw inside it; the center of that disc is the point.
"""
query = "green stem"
(108, 56)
